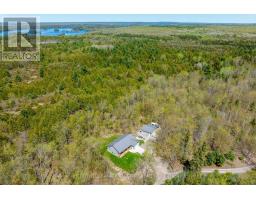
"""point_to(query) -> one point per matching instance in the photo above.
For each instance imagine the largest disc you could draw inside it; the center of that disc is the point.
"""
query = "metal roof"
(149, 128)
(123, 142)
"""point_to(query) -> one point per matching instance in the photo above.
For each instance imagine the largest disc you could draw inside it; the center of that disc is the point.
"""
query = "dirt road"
(239, 170)
(163, 173)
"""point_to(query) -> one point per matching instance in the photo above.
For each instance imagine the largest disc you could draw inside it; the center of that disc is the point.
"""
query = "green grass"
(128, 162)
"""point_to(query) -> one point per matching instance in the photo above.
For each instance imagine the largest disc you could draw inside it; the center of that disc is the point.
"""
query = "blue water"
(62, 31)
(54, 32)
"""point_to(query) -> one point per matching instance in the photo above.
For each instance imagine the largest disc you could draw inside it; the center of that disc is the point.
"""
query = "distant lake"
(55, 32)
(62, 32)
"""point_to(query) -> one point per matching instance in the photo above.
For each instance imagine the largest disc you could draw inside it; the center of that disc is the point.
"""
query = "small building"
(123, 144)
(148, 131)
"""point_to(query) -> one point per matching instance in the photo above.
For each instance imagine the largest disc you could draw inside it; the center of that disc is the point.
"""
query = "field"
(197, 81)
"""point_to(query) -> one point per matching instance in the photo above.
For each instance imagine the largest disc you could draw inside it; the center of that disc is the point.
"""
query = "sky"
(190, 18)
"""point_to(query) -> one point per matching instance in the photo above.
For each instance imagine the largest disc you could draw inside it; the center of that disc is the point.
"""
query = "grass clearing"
(128, 162)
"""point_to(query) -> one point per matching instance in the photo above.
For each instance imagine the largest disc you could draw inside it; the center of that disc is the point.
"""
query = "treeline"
(215, 178)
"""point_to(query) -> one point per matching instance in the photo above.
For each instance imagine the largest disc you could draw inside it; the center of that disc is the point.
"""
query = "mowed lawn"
(129, 162)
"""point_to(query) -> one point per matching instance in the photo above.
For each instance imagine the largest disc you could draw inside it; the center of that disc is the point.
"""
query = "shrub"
(216, 178)
(220, 160)
(230, 156)
(27, 112)
(83, 70)
(215, 157)
(185, 178)
(18, 78)
(192, 165)
(41, 72)
(210, 158)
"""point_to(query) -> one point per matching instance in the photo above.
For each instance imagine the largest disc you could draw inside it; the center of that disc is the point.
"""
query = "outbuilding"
(148, 131)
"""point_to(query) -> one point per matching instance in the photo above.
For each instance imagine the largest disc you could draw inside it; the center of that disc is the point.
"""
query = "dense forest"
(197, 82)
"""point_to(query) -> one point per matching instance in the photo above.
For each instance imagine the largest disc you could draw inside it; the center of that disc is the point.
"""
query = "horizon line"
(143, 18)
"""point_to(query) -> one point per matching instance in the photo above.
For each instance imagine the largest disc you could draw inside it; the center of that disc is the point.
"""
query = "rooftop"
(149, 128)
(123, 142)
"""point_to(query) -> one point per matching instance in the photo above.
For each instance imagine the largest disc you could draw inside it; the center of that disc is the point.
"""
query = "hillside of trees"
(56, 113)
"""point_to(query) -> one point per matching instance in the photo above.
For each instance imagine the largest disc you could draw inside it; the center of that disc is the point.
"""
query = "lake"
(55, 32)
(62, 32)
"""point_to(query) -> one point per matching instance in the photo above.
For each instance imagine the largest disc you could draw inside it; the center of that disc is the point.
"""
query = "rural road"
(162, 172)
(238, 170)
